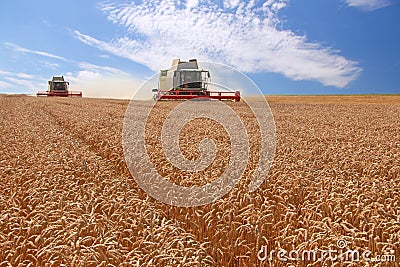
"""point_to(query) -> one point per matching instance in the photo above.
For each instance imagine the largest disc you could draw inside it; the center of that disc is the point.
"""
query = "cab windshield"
(60, 86)
(190, 79)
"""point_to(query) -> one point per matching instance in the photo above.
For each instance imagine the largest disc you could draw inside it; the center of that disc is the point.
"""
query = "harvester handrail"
(192, 94)
(196, 91)
(59, 93)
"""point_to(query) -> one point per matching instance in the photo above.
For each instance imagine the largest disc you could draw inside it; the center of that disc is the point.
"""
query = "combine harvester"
(59, 87)
(184, 80)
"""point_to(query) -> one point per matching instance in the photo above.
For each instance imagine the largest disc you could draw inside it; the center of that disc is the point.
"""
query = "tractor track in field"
(72, 132)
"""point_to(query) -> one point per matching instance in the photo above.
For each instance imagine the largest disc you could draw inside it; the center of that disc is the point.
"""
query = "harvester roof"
(57, 79)
(185, 65)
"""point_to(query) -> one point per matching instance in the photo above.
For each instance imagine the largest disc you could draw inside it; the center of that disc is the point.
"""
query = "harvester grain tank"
(185, 80)
(59, 87)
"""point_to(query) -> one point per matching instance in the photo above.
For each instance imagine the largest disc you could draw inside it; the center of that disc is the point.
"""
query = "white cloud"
(24, 75)
(18, 74)
(368, 5)
(248, 36)
(4, 85)
(50, 65)
(100, 69)
(19, 80)
(231, 3)
(28, 51)
(192, 3)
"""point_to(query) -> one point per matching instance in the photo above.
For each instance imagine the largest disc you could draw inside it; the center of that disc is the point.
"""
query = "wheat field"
(67, 197)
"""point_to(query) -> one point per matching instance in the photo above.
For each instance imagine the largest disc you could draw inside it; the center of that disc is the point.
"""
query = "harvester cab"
(59, 87)
(185, 80)
(188, 76)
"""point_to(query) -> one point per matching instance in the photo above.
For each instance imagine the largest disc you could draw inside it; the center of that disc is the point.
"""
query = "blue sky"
(108, 48)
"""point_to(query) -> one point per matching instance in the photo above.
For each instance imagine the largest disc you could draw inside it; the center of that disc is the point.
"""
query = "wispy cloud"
(112, 48)
(247, 35)
(17, 74)
(28, 51)
(5, 85)
(368, 5)
(21, 82)
(100, 69)
(18, 80)
(51, 65)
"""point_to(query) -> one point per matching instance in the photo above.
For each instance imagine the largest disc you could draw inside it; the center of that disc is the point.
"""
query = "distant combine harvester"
(59, 87)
